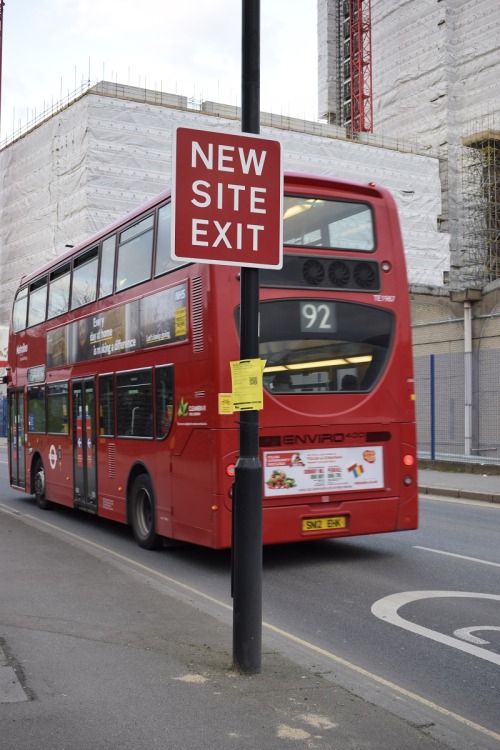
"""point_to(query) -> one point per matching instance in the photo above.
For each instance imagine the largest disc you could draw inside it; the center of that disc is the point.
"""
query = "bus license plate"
(323, 524)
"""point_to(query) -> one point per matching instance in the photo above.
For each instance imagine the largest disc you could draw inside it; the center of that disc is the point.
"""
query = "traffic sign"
(227, 198)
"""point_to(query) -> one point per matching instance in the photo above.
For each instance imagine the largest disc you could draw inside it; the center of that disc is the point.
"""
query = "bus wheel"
(143, 512)
(39, 486)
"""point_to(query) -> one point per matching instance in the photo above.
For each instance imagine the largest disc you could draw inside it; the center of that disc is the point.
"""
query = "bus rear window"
(323, 345)
(316, 222)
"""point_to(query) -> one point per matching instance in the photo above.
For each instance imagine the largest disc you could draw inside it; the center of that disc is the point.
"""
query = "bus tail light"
(385, 266)
(409, 461)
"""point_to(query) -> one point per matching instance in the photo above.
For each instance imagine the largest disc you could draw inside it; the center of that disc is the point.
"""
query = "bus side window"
(135, 252)
(106, 405)
(164, 396)
(163, 240)
(37, 421)
(37, 307)
(141, 424)
(57, 408)
(20, 310)
(84, 281)
(163, 260)
(59, 291)
(107, 274)
(134, 391)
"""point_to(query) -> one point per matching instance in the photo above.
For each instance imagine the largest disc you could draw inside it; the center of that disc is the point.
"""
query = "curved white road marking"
(387, 609)
(465, 634)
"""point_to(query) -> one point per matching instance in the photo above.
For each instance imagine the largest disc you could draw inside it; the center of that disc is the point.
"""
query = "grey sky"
(191, 48)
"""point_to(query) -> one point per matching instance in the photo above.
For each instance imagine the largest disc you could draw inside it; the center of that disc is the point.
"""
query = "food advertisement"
(295, 472)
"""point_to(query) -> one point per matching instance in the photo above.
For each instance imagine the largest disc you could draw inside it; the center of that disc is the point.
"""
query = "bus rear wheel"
(39, 486)
(143, 513)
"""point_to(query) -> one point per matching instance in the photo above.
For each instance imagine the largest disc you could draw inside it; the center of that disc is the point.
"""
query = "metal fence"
(458, 406)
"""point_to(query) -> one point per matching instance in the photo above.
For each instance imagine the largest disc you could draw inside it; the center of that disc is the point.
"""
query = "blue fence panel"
(448, 428)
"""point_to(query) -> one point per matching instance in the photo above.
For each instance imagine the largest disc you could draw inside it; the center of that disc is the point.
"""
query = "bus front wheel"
(143, 513)
(39, 486)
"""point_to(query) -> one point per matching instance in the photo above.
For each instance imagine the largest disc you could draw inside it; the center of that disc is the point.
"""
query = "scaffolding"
(481, 206)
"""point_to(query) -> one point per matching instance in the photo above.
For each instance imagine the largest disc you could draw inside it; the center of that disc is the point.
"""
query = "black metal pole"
(247, 500)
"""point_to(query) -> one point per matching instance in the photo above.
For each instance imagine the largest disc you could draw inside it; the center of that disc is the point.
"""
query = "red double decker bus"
(118, 356)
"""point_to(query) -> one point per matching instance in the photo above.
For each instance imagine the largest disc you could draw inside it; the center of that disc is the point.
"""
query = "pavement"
(99, 654)
(482, 485)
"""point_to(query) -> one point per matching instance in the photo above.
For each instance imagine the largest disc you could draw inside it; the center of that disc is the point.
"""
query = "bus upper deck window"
(84, 278)
(135, 253)
(59, 291)
(20, 310)
(106, 277)
(37, 306)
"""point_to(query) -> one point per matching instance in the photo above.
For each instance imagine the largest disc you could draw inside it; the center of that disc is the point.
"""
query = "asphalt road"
(386, 616)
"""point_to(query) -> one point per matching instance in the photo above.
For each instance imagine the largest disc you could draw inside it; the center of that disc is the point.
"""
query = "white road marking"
(465, 634)
(37, 522)
(387, 609)
(454, 554)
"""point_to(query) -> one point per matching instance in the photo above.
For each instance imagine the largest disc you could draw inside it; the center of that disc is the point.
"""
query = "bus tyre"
(143, 513)
(39, 486)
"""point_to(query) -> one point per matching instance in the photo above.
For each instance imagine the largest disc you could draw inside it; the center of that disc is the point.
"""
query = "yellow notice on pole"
(246, 377)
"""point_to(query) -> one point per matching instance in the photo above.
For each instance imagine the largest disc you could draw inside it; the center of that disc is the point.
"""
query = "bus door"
(84, 443)
(16, 442)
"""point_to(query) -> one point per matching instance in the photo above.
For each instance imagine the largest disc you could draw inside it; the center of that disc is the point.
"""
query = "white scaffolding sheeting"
(436, 65)
(106, 154)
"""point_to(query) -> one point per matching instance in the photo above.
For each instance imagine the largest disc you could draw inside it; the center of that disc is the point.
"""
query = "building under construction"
(110, 149)
(426, 70)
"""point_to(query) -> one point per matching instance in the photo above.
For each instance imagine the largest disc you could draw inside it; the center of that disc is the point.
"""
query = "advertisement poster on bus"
(160, 318)
(323, 470)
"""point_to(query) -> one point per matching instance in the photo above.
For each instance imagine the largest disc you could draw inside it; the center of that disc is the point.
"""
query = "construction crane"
(357, 65)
